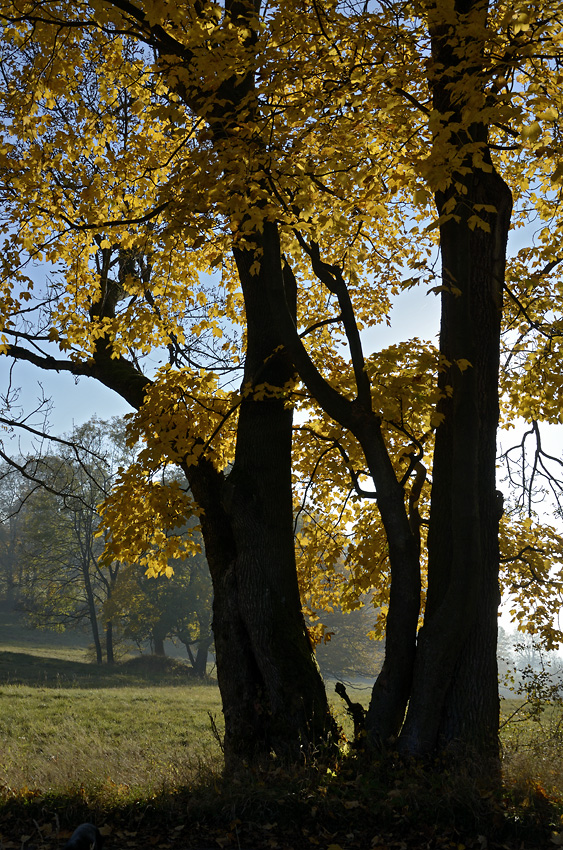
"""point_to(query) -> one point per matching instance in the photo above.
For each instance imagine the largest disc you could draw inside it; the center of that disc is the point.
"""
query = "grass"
(133, 739)
(130, 729)
(132, 747)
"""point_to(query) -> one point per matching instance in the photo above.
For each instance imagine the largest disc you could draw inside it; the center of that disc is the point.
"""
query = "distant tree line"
(52, 563)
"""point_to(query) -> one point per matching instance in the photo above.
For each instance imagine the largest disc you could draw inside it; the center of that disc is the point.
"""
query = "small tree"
(160, 607)
(63, 582)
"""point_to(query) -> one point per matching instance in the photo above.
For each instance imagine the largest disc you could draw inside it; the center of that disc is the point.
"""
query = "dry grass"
(532, 741)
(126, 740)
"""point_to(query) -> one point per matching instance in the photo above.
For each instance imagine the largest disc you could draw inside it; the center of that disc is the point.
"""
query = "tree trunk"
(454, 700)
(265, 663)
(289, 689)
(392, 688)
(200, 661)
(158, 643)
(109, 642)
(92, 614)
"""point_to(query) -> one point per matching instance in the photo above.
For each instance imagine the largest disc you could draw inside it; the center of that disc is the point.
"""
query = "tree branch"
(333, 279)
(50, 363)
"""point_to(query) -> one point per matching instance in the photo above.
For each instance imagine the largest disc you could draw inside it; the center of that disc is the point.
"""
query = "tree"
(12, 500)
(163, 607)
(309, 143)
(281, 704)
(346, 650)
(62, 582)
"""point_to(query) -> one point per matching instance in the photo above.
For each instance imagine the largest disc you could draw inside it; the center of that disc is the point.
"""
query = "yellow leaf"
(462, 364)
(532, 132)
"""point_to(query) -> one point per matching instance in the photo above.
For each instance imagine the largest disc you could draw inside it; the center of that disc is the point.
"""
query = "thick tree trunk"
(455, 693)
(454, 700)
(239, 681)
(471, 710)
(261, 508)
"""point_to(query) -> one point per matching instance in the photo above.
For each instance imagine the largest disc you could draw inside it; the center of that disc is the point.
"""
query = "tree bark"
(454, 700)
(261, 509)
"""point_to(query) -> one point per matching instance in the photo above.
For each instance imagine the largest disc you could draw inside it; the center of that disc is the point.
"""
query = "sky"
(73, 401)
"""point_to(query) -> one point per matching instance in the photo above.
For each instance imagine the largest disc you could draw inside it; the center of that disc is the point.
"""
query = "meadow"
(136, 748)
(135, 728)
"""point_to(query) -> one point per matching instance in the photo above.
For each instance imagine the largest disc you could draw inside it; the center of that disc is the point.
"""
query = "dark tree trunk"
(200, 661)
(273, 695)
(92, 614)
(292, 708)
(454, 700)
(158, 643)
(392, 688)
(109, 643)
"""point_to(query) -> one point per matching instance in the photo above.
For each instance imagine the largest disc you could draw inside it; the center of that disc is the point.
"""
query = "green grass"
(133, 748)
(131, 739)
(133, 728)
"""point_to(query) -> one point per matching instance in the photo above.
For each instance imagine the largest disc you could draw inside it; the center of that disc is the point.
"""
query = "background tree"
(178, 607)
(13, 495)
(63, 582)
(347, 648)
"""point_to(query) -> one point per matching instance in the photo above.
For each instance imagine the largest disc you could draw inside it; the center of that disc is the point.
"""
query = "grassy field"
(135, 748)
(138, 727)
(130, 739)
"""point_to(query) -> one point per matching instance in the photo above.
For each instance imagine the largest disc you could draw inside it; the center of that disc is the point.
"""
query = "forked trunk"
(273, 696)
